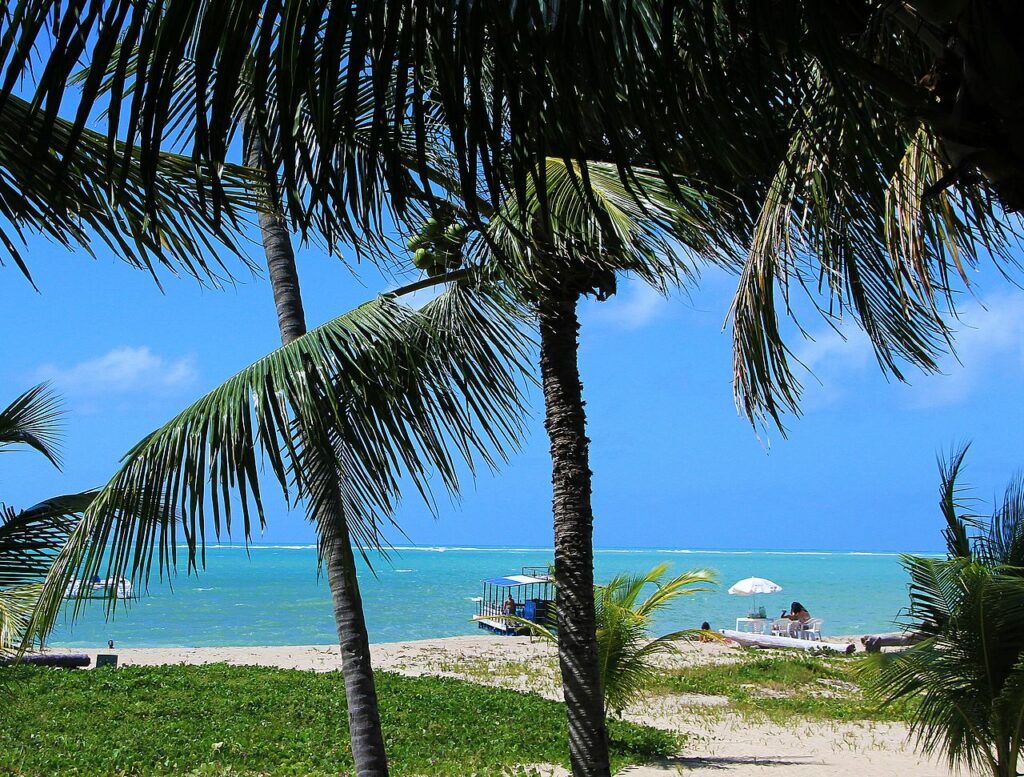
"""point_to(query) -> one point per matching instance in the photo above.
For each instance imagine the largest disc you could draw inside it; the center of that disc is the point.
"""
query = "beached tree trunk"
(565, 421)
(365, 733)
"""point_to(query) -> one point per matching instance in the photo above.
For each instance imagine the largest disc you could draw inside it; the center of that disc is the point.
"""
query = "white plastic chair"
(780, 627)
(812, 629)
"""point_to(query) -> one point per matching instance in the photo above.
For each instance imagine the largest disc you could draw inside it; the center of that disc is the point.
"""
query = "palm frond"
(952, 504)
(401, 393)
(590, 219)
(29, 542)
(509, 84)
(33, 419)
(30, 539)
(68, 192)
(1003, 544)
(16, 606)
(880, 242)
(695, 581)
(261, 124)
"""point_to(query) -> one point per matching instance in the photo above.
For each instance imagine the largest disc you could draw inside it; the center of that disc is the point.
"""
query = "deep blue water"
(271, 595)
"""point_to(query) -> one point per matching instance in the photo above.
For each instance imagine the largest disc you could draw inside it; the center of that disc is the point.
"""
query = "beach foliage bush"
(221, 720)
(781, 688)
(625, 608)
(967, 670)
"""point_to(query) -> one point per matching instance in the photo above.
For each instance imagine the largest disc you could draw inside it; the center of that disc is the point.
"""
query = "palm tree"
(339, 415)
(657, 233)
(624, 621)
(263, 155)
(366, 735)
(684, 57)
(967, 675)
(30, 539)
(576, 237)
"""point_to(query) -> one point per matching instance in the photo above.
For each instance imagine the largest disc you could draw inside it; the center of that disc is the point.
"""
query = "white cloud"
(988, 346)
(835, 350)
(121, 371)
(633, 307)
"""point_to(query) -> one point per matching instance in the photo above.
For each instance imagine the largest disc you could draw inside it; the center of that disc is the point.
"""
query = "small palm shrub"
(625, 611)
(967, 674)
(626, 607)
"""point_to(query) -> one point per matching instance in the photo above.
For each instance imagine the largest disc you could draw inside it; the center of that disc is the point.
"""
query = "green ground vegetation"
(222, 721)
(783, 687)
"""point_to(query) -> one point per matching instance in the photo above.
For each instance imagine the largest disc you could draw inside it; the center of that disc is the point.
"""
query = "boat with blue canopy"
(529, 595)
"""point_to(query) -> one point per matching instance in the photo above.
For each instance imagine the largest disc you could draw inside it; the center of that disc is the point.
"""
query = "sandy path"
(719, 742)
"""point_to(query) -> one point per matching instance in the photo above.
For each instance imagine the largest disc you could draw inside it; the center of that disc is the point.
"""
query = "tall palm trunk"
(565, 421)
(360, 691)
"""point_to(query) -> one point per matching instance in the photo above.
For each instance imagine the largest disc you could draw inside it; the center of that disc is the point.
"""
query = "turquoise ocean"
(272, 595)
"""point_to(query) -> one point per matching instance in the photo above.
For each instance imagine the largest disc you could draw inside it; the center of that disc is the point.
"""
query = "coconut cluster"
(439, 245)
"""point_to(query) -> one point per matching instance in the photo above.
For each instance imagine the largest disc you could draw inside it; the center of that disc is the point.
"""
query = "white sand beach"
(720, 742)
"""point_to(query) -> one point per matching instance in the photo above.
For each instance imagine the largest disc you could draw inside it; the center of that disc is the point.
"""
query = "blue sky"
(675, 464)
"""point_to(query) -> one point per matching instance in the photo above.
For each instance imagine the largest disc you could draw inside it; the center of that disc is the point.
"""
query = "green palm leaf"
(381, 393)
(17, 604)
(75, 197)
(625, 645)
(31, 538)
(29, 542)
(509, 84)
(33, 419)
(638, 225)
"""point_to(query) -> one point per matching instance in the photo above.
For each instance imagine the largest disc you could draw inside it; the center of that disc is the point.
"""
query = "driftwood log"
(61, 660)
(873, 643)
(772, 641)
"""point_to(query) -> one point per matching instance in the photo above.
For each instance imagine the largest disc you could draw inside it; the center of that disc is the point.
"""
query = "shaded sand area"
(720, 740)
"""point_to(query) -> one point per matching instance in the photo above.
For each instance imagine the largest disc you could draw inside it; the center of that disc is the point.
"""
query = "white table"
(753, 625)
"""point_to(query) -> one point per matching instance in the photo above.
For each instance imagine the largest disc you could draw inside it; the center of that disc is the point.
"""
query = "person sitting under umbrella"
(799, 615)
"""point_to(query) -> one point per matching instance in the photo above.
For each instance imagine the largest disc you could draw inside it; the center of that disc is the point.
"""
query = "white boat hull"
(101, 589)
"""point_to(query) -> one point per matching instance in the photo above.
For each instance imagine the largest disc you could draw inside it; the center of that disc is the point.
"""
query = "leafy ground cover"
(219, 720)
(781, 687)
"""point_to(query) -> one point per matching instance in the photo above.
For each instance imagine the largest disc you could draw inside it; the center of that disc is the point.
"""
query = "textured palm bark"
(565, 422)
(367, 738)
(360, 691)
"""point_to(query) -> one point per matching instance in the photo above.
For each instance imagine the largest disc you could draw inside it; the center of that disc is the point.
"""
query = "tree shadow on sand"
(693, 763)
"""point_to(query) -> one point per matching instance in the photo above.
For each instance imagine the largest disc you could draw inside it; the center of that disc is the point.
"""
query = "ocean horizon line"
(460, 548)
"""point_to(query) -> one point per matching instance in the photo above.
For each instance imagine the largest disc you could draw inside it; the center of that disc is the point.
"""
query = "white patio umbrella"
(752, 586)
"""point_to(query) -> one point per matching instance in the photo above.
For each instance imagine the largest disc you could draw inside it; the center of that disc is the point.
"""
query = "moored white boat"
(99, 589)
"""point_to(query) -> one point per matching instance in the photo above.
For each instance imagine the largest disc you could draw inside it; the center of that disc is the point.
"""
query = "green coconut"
(424, 259)
(418, 241)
